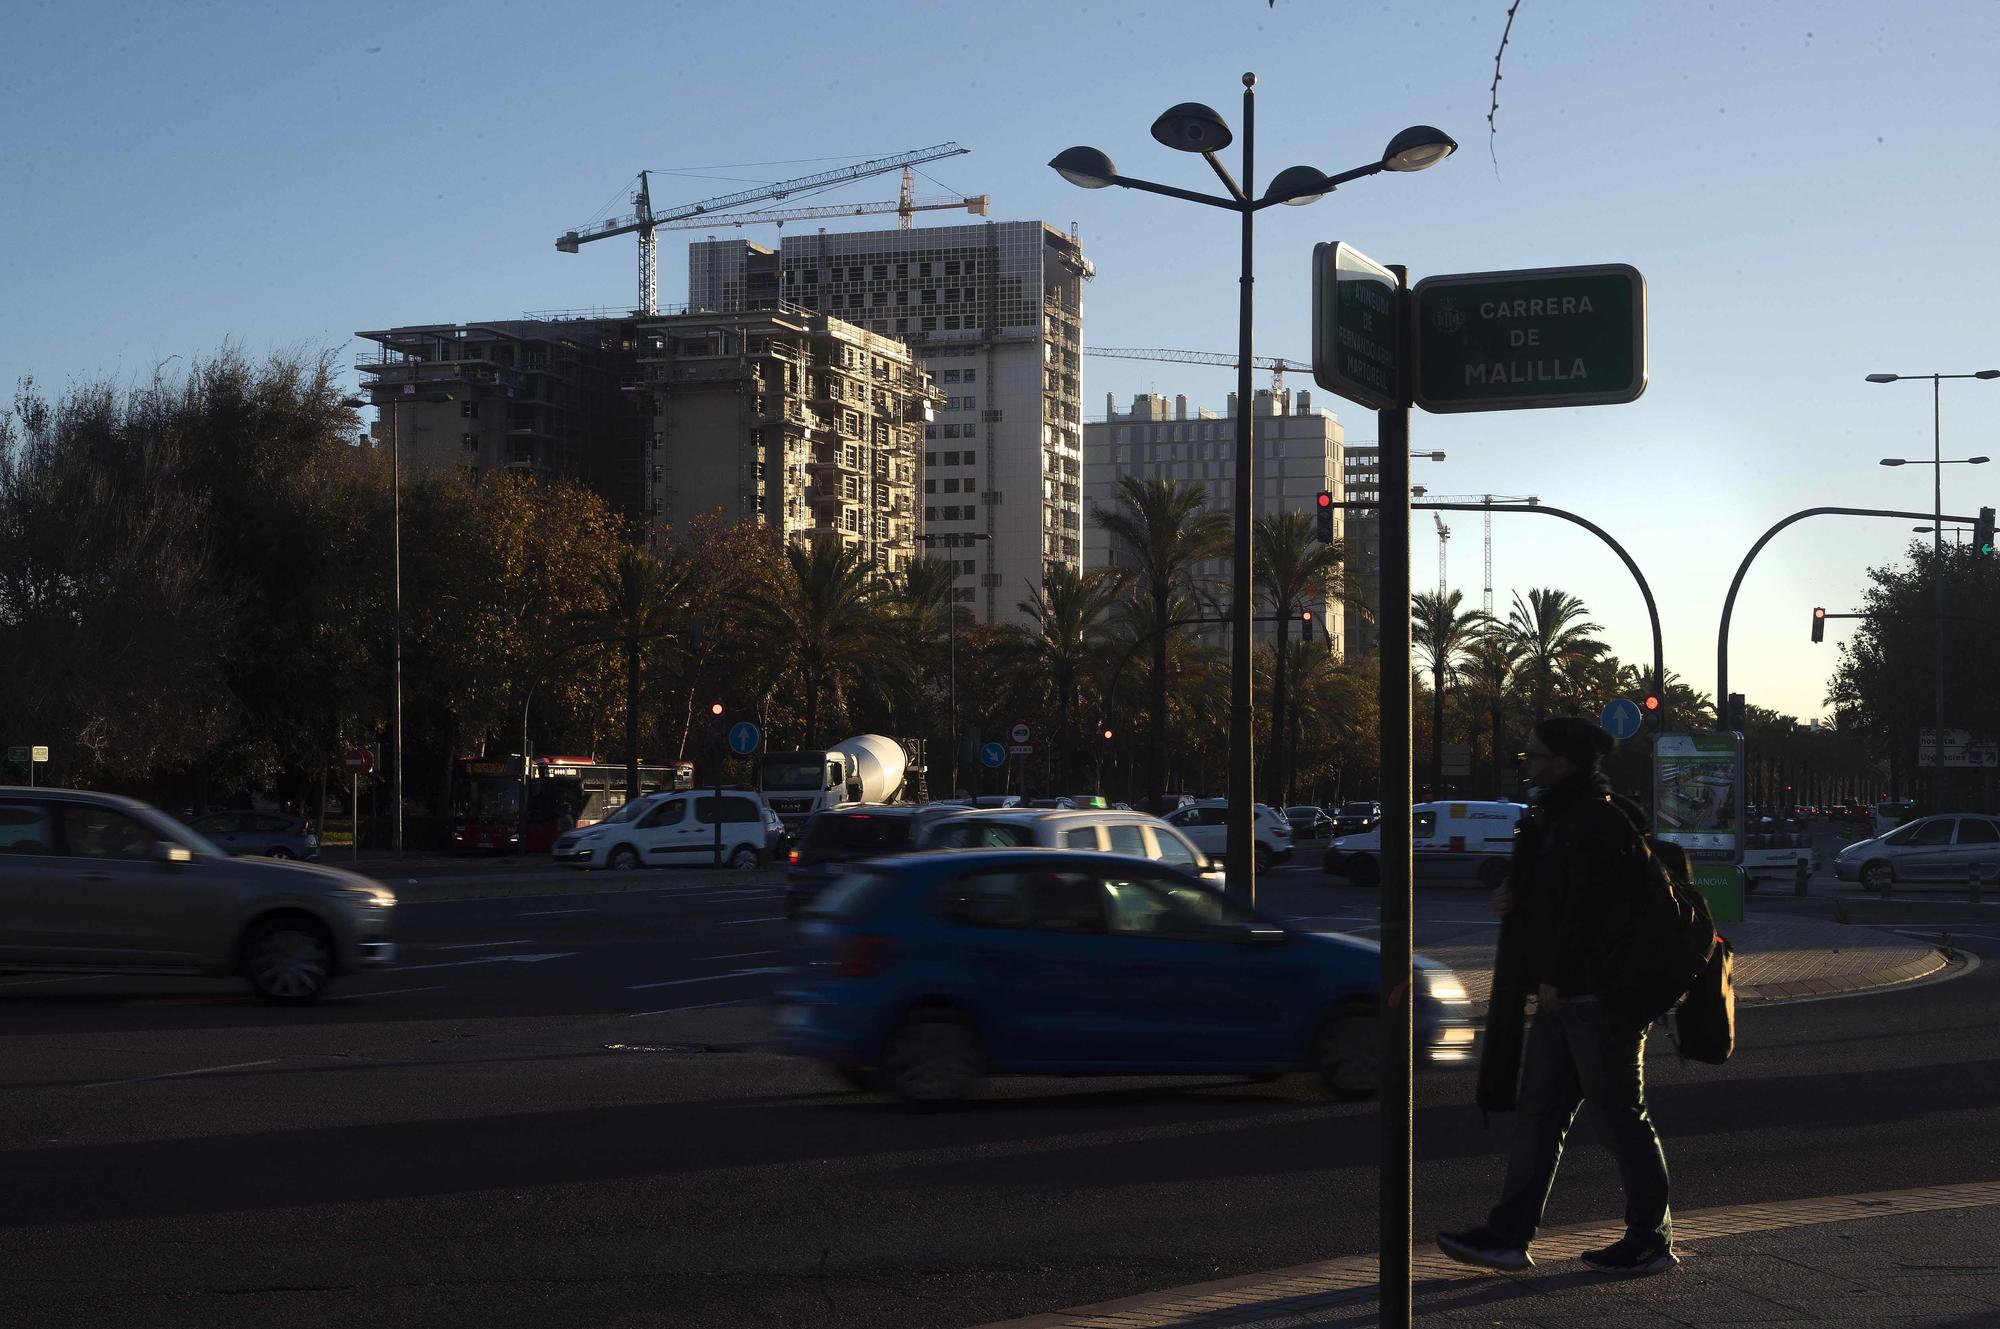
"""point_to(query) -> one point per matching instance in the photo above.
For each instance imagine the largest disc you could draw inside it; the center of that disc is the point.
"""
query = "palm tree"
(1552, 630)
(1292, 569)
(928, 618)
(1068, 611)
(824, 618)
(1161, 531)
(1444, 637)
(639, 601)
(1493, 658)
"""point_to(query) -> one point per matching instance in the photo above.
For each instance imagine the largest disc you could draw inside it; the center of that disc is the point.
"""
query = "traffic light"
(1819, 624)
(718, 727)
(1325, 531)
(1982, 532)
(1651, 705)
(1733, 718)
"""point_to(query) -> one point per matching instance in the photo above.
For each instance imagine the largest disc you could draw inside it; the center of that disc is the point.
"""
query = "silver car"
(272, 834)
(1945, 849)
(95, 883)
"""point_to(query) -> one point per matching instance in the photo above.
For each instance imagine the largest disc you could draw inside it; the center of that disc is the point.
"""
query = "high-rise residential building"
(994, 312)
(1299, 453)
(783, 416)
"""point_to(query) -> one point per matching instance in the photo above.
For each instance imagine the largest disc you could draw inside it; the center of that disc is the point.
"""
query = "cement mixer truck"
(867, 768)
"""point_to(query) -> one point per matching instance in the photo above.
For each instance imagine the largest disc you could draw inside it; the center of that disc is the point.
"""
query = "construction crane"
(1444, 540)
(1276, 365)
(976, 204)
(645, 221)
(1489, 501)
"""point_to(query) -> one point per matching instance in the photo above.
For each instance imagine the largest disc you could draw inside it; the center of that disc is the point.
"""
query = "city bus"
(563, 793)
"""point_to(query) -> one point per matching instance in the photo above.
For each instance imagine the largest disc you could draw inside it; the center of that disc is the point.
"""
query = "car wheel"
(1347, 1056)
(1493, 874)
(745, 857)
(1263, 859)
(280, 852)
(288, 961)
(933, 1058)
(623, 859)
(1877, 876)
(1364, 872)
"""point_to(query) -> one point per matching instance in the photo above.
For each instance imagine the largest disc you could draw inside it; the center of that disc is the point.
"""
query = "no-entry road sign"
(360, 761)
(1502, 341)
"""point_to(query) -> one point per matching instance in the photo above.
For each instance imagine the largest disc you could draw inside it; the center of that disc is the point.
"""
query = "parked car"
(1467, 841)
(1308, 822)
(930, 972)
(837, 839)
(1354, 818)
(272, 834)
(1060, 801)
(1206, 824)
(1089, 829)
(94, 883)
(671, 828)
(1944, 849)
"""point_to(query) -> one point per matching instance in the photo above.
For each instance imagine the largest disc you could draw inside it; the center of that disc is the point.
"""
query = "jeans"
(1577, 1053)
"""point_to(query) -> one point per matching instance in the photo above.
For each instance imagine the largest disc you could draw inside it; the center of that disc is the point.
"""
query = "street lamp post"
(1938, 463)
(951, 618)
(1193, 127)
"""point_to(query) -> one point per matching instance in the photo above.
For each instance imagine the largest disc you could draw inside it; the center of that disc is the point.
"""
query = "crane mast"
(1488, 501)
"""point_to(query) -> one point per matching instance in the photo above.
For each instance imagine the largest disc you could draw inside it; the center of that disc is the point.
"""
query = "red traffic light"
(1652, 702)
(715, 709)
(1107, 735)
(1325, 498)
(1305, 615)
(1819, 613)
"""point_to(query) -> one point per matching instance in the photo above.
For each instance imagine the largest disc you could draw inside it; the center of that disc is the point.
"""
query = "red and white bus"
(563, 793)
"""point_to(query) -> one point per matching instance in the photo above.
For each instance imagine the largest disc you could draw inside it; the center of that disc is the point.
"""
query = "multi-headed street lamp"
(1938, 463)
(1192, 127)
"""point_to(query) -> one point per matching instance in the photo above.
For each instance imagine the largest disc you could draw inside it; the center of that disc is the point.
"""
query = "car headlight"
(1446, 987)
(356, 898)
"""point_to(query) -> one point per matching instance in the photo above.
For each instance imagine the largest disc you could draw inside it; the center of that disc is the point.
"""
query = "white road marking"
(739, 955)
(477, 945)
(175, 1075)
(706, 1005)
(732, 922)
(486, 959)
(392, 992)
(545, 913)
(29, 982)
(709, 978)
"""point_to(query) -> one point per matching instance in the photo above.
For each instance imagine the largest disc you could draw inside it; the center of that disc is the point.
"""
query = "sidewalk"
(1917, 1259)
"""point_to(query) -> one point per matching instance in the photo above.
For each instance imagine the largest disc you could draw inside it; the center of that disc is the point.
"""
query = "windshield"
(629, 811)
(1357, 809)
(793, 773)
(487, 799)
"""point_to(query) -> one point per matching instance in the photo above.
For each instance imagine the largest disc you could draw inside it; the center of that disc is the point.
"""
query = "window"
(1423, 825)
(968, 834)
(1162, 907)
(930, 459)
(670, 813)
(735, 811)
(1081, 837)
(1936, 831)
(951, 486)
(1127, 838)
(1172, 850)
(986, 899)
(971, 457)
(930, 486)
(1977, 830)
(26, 828)
(930, 514)
(95, 832)
(951, 458)
(972, 376)
(469, 409)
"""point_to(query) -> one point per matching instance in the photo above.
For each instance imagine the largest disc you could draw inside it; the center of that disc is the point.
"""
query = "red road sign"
(360, 761)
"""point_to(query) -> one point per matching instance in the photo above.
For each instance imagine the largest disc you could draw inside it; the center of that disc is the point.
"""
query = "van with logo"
(674, 829)
(1469, 842)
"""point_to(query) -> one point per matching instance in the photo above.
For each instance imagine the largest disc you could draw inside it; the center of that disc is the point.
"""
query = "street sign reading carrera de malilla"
(1501, 341)
(1356, 345)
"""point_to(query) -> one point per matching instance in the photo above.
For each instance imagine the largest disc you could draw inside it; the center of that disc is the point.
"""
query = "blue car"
(927, 973)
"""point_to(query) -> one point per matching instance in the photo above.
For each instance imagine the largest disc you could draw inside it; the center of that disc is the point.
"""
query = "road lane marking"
(739, 955)
(709, 978)
(545, 913)
(732, 922)
(175, 1075)
(485, 959)
(706, 1005)
(392, 992)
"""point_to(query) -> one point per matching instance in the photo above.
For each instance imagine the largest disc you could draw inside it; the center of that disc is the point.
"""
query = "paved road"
(559, 1110)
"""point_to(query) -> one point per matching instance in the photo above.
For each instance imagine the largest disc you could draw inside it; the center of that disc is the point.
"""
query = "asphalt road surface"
(562, 1110)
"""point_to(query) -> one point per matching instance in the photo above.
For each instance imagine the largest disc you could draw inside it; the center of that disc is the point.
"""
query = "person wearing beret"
(1572, 854)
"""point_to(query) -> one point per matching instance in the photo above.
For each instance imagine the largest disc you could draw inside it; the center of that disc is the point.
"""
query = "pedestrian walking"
(1575, 855)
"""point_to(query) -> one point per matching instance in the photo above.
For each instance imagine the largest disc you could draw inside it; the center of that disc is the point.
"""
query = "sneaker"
(1479, 1246)
(1633, 1256)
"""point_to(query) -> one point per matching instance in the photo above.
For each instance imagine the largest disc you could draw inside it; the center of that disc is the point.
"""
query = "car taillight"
(864, 955)
(792, 857)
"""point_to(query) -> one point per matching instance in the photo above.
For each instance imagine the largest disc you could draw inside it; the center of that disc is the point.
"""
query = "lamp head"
(1893, 461)
(1883, 378)
(1977, 461)
(1192, 127)
(1988, 373)
(1298, 185)
(1417, 147)
(1086, 168)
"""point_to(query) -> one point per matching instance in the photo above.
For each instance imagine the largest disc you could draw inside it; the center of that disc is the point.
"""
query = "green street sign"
(1356, 327)
(1504, 341)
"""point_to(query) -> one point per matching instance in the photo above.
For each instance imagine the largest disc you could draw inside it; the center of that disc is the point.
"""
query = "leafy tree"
(1055, 655)
(1293, 571)
(638, 605)
(824, 621)
(1552, 630)
(1444, 637)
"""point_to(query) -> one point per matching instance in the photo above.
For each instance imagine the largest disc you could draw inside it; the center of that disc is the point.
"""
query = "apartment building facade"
(993, 312)
(1299, 452)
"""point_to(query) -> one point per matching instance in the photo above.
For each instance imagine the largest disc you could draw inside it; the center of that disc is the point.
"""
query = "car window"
(26, 828)
(95, 832)
(1080, 837)
(1171, 849)
(1151, 906)
(1901, 835)
(857, 831)
(1065, 902)
(271, 822)
(1977, 830)
(987, 898)
(218, 823)
(734, 811)
(1936, 831)
(670, 813)
(1424, 825)
(975, 834)
(1184, 817)
(847, 897)
(1127, 838)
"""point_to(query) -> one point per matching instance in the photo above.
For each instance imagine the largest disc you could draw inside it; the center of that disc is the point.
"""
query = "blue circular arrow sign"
(745, 738)
(1621, 718)
(992, 756)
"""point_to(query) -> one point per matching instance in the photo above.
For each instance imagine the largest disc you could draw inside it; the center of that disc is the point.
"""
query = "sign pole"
(354, 814)
(1393, 1226)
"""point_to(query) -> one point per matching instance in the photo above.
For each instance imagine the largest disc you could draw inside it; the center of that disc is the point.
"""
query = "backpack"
(1660, 941)
(1704, 1026)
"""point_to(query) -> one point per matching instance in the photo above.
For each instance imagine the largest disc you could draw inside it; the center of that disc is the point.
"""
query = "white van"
(665, 829)
(1095, 830)
(1465, 841)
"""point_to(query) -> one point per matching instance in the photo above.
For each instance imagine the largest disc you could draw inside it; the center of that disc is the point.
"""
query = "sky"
(1808, 188)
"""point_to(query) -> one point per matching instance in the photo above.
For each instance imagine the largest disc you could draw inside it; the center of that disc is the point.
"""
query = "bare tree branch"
(1492, 129)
